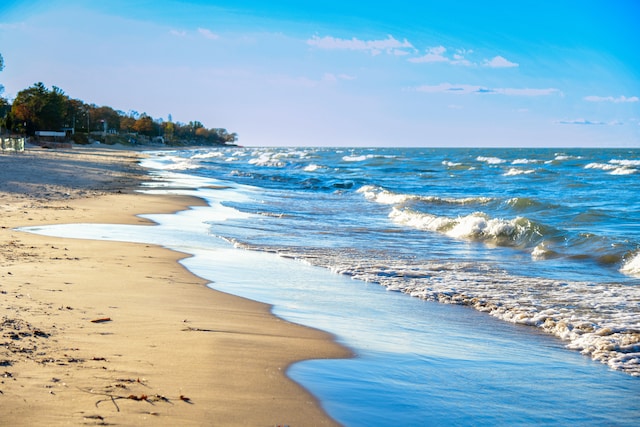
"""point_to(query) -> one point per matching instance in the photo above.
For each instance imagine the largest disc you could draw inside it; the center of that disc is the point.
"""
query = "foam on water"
(527, 254)
(410, 370)
(381, 195)
(491, 160)
(516, 171)
(632, 266)
(477, 226)
(607, 330)
(312, 167)
(616, 166)
(524, 161)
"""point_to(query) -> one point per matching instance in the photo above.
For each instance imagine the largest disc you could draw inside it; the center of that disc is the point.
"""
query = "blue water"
(516, 271)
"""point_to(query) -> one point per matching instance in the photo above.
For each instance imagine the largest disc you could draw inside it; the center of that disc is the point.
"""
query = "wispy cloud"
(439, 54)
(330, 77)
(208, 34)
(178, 33)
(393, 46)
(611, 99)
(463, 89)
(499, 62)
(389, 45)
(588, 122)
(434, 54)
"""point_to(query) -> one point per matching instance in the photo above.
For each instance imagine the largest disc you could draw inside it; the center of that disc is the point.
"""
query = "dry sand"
(108, 333)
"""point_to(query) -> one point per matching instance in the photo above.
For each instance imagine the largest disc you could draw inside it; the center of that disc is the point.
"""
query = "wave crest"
(386, 197)
(478, 226)
(632, 266)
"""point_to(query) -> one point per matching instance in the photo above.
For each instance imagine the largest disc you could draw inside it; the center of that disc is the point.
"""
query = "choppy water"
(532, 236)
(535, 254)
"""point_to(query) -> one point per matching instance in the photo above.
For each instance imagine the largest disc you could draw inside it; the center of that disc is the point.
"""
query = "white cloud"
(208, 34)
(459, 59)
(392, 46)
(611, 99)
(389, 45)
(473, 89)
(439, 54)
(330, 77)
(346, 77)
(434, 54)
(178, 33)
(499, 62)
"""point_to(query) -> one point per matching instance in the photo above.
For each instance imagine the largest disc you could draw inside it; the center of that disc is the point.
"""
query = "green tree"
(77, 115)
(54, 111)
(168, 129)
(40, 108)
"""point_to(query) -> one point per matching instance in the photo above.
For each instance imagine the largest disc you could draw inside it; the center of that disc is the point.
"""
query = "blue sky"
(400, 73)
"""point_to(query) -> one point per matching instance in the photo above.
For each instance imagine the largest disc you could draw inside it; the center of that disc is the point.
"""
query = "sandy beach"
(108, 333)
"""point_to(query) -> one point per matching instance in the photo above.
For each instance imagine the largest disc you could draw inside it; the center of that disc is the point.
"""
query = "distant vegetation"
(38, 108)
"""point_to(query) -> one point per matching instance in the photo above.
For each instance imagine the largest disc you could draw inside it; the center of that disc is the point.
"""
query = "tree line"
(39, 108)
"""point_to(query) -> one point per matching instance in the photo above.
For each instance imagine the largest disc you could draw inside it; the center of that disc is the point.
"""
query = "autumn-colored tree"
(104, 114)
(144, 125)
(127, 123)
(202, 133)
(40, 108)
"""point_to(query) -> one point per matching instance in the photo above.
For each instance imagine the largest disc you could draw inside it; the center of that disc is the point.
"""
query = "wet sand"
(109, 333)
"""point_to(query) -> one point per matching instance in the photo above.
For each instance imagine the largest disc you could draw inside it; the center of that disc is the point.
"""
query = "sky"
(344, 73)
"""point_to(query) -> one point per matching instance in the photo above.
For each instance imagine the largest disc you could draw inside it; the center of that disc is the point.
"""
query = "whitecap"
(476, 226)
(516, 171)
(386, 197)
(623, 171)
(524, 161)
(354, 158)
(614, 167)
(490, 160)
(450, 164)
(632, 266)
(312, 167)
(208, 155)
(541, 252)
(267, 159)
(623, 162)
(382, 196)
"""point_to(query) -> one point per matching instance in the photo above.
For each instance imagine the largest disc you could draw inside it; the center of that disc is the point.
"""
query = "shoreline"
(99, 332)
